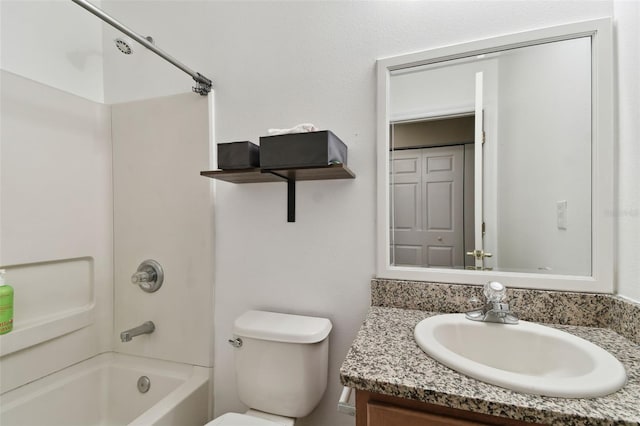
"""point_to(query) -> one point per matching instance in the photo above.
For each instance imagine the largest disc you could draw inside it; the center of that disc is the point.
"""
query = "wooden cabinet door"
(389, 415)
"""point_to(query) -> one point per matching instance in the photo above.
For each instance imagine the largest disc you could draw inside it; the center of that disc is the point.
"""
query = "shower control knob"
(149, 276)
(142, 277)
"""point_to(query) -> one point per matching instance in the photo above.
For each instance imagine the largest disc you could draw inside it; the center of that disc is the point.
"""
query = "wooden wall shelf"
(336, 171)
(242, 176)
(289, 175)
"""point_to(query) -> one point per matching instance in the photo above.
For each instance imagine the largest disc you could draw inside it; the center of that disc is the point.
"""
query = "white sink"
(523, 357)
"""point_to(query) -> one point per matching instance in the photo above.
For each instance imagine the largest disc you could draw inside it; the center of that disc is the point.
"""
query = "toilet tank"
(281, 367)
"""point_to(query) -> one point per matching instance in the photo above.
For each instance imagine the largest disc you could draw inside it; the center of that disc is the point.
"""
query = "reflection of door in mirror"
(432, 178)
(532, 108)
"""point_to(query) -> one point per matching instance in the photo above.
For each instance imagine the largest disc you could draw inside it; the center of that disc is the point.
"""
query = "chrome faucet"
(145, 328)
(495, 308)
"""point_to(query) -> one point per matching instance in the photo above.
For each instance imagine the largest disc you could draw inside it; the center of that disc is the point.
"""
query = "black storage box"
(312, 149)
(238, 155)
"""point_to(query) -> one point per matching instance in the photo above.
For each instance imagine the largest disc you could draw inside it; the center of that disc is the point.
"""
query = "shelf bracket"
(291, 200)
(291, 195)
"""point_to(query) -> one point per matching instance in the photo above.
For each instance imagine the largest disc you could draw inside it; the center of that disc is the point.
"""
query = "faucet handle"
(148, 276)
(494, 291)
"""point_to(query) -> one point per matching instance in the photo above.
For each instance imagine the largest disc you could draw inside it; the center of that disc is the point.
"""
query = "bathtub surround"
(56, 228)
(57, 235)
(162, 211)
(65, 305)
(385, 358)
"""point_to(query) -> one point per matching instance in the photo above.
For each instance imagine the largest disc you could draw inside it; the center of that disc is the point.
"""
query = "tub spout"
(146, 328)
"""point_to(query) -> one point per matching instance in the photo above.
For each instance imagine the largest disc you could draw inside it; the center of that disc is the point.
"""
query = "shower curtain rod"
(203, 84)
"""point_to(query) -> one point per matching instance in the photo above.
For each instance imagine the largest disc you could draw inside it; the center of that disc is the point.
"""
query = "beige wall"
(422, 134)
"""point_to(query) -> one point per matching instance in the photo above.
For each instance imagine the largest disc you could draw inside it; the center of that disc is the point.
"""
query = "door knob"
(479, 254)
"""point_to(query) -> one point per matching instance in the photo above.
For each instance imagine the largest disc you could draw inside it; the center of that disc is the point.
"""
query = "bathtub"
(103, 391)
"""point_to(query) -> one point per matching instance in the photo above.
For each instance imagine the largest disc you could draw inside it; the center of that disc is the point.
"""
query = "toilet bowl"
(281, 365)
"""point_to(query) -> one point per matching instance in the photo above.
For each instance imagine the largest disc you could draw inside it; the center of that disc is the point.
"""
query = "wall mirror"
(495, 161)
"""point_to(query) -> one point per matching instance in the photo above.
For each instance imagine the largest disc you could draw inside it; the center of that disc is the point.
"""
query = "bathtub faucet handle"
(142, 277)
(149, 276)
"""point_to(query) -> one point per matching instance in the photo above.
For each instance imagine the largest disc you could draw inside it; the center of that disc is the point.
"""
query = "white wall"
(435, 90)
(56, 227)
(53, 42)
(162, 211)
(545, 157)
(277, 64)
(627, 213)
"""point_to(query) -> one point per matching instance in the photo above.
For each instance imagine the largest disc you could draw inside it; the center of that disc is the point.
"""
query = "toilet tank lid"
(279, 327)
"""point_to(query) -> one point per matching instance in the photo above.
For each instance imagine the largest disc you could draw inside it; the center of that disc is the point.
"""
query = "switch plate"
(561, 212)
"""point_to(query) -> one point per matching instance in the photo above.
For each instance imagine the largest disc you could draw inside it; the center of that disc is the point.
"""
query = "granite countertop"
(384, 358)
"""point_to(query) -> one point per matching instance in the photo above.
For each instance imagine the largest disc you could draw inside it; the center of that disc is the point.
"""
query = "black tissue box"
(312, 149)
(238, 155)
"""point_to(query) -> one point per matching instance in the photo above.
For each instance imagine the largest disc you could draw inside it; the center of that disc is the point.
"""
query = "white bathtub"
(103, 391)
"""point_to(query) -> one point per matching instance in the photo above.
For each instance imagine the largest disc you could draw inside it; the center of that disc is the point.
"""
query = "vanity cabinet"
(373, 409)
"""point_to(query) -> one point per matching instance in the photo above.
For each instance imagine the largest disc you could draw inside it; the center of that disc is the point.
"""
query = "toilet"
(281, 363)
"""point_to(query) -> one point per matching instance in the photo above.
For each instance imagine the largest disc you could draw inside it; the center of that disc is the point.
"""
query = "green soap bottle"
(6, 305)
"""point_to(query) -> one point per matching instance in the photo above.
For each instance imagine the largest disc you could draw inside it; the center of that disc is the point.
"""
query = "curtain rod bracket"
(203, 85)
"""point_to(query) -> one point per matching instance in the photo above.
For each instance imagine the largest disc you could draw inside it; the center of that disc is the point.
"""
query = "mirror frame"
(602, 145)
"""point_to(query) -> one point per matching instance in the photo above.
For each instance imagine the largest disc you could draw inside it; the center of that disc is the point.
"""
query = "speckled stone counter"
(551, 307)
(385, 358)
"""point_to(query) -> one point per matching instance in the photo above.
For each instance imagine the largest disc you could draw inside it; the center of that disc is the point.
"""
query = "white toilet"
(281, 364)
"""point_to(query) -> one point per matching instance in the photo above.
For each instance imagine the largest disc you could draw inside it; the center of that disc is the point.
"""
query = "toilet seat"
(235, 419)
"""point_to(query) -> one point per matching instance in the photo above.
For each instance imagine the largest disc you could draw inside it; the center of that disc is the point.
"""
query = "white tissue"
(300, 128)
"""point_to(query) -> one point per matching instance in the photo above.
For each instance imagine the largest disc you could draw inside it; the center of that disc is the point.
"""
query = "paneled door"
(427, 217)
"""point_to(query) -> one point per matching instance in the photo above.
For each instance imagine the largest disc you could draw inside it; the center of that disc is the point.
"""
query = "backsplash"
(551, 307)
(624, 318)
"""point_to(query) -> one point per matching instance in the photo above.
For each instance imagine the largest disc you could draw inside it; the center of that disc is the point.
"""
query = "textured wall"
(627, 211)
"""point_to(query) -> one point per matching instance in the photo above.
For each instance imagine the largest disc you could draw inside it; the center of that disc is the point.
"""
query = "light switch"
(561, 211)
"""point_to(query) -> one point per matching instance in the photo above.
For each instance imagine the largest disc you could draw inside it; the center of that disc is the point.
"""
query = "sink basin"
(524, 357)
